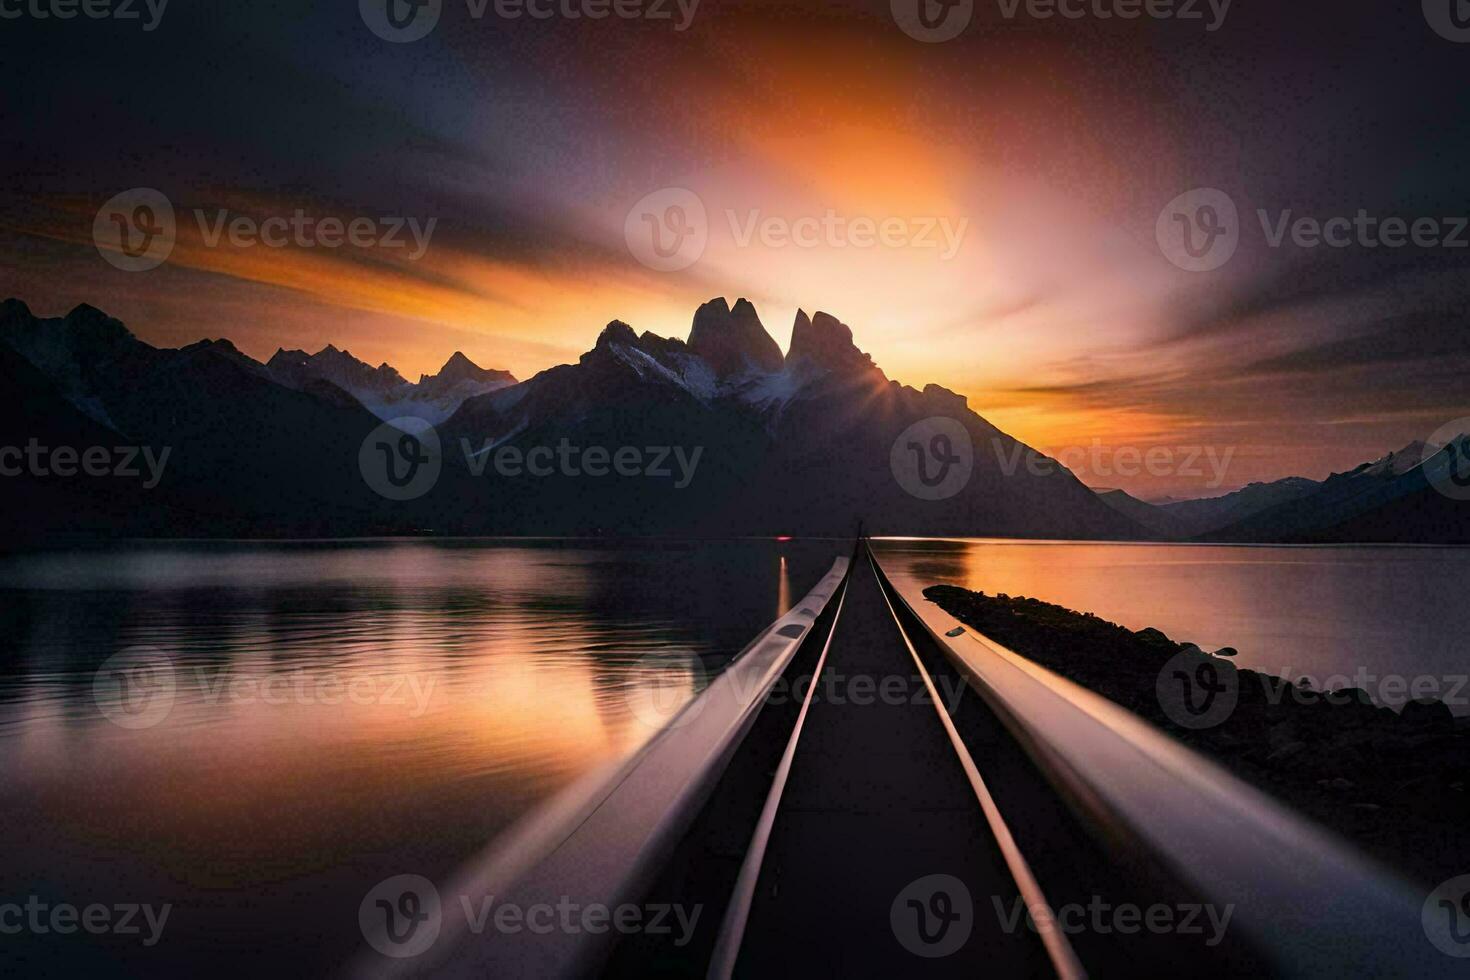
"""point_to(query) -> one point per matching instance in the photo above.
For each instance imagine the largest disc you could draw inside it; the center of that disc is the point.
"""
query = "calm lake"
(257, 733)
(1380, 618)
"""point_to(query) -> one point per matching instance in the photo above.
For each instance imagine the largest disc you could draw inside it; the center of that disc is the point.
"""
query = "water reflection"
(332, 714)
(1359, 616)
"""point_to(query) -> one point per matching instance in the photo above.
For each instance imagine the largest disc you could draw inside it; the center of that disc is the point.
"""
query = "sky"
(1019, 171)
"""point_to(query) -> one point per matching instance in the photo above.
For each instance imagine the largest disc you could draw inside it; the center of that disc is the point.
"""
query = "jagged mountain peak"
(87, 320)
(461, 374)
(384, 391)
(458, 362)
(733, 340)
(825, 341)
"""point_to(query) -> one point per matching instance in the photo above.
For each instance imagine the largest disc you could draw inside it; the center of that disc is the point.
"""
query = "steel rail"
(1058, 947)
(737, 913)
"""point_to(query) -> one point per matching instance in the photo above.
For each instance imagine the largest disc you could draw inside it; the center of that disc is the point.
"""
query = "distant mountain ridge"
(1155, 518)
(1211, 513)
(382, 390)
(1388, 499)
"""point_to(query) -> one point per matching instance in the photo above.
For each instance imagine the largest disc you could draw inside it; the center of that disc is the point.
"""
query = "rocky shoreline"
(1394, 782)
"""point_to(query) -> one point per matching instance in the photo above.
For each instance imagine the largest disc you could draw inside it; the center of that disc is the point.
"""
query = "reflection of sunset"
(459, 686)
(1288, 611)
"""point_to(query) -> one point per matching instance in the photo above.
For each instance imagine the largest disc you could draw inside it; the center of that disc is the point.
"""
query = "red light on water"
(783, 537)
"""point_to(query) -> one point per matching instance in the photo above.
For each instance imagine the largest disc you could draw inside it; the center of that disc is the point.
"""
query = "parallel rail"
(737, 913)
(602, 841)
(1311, 903)
(1308, 901)
(1058, 948)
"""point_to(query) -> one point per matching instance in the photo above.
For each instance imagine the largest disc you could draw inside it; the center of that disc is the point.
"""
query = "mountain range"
(382, 390)
(719, 434)
(798, 442)
(1392, 499)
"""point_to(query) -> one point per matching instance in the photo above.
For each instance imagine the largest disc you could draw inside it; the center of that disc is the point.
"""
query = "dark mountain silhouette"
(732, 341)
(1210, 513)
(1345, 500)
(34, 412)
(802, 446)
(247, 455)
(644, 434)
(1154, 518)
